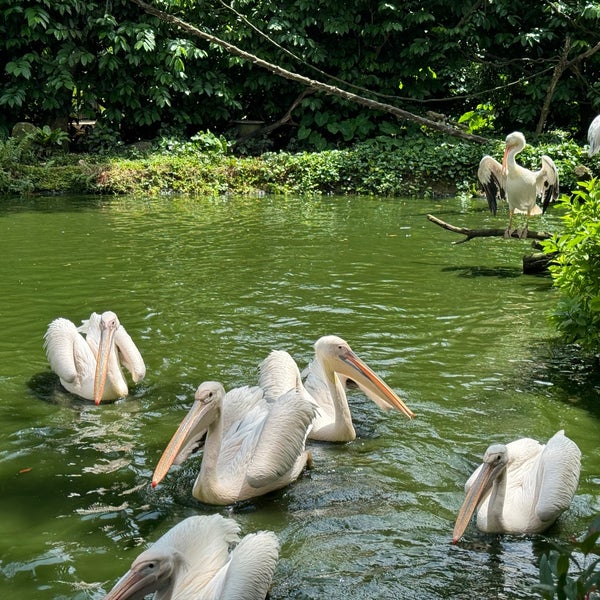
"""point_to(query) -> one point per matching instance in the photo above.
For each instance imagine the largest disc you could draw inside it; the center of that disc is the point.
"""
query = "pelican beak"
(134, 584)
(504, 159)
(473, 499)
(377, 389)
(104, 349)
(190, 430)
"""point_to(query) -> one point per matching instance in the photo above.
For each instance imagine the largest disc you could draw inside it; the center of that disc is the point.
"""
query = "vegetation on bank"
(576, 268)
(429, 164)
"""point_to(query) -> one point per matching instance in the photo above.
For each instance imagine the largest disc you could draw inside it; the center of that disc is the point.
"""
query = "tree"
(139, 75)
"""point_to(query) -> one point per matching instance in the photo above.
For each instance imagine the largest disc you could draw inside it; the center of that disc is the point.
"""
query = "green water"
(206, 288)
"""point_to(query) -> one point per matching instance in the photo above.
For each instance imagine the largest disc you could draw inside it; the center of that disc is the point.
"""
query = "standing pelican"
(194, 560)
(521, 487)
(89, 366)
(520, 186)
(333, 365)
(253, 446)
(594, 136)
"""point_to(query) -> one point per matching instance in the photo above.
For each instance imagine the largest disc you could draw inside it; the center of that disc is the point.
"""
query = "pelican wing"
(68, 353)
(493, 181)
(130, 355)
(594, 136)
(281, 439)
(560, 464)
(250, 570)
(278, 373)
(547, 183)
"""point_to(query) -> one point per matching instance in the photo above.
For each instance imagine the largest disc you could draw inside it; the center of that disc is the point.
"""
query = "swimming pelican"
(89, 366)
(252, 446)
(594, 136)
(520, 186)
(193, 560)
(333, 365)
(521, 487)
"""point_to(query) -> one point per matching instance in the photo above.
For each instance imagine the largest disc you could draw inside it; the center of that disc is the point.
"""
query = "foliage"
(136, 75)
(201, 142)
(555, 566)
(576, 268)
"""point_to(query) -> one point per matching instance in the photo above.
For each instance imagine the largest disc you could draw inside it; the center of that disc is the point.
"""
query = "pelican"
(594, 136)
(193, 560)
(89, 366)
(334, 363)
(253, 445)
(521, 487)
(520, 186)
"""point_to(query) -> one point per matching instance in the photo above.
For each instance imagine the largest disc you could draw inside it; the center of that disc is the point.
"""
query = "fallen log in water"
(533, 264)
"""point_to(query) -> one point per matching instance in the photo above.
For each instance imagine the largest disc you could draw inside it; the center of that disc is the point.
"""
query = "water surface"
(206, 288)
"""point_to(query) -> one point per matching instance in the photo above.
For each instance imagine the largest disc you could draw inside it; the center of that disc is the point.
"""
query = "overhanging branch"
(310, 83)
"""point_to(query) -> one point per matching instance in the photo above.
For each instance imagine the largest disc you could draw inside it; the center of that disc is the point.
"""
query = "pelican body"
(334, 363)
(518, 185)
(521, 487)
(194, 560)
(252, 446)
(594, 136)
(87, 358)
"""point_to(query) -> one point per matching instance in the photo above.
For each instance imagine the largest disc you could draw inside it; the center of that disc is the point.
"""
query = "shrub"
(576, 268)
(555, 580)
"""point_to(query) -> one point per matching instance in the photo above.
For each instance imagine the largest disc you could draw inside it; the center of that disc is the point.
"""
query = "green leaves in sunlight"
(576, 268)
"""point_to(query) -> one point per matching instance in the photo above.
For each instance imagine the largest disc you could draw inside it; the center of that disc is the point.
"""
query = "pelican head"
(109, 324)
(152, 571)
(338, 358)
(515, 142)
(207, 402)
(494, 464)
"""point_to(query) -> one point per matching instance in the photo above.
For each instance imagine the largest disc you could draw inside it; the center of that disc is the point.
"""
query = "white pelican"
(333, 365)
(520, 186)
(89, 367)
(594, 136)
(521, 487)
(194, 560)
(253, 446)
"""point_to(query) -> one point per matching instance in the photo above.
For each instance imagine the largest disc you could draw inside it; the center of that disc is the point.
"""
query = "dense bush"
(419, 165)
(576, 268)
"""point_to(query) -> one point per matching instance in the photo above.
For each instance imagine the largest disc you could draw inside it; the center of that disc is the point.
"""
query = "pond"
(207, 287)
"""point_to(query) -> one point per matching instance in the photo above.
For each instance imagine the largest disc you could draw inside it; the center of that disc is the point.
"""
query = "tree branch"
(310, 83)
(473, 233)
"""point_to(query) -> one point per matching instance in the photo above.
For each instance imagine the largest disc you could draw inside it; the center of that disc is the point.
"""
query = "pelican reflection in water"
(195, 560)
(88, 358)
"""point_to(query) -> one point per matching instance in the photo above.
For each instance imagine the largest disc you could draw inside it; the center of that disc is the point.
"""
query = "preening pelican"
(594, 136)
(520, 186)
(253, 446)
(333, 365)
(193, 561)
(89, 366)
(521, 487)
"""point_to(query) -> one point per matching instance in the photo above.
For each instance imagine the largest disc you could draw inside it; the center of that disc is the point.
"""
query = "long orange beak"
(473, 499)
(369, 381)
(104, 349)
(133, 584)
(193, 424)
(504, 160)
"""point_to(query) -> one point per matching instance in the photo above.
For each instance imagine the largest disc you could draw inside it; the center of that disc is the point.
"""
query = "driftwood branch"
(310, 83)
(473, 233)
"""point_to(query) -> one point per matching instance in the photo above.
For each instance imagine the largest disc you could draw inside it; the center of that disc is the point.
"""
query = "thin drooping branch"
(560, 68)
(310, 83)
(473, 233)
